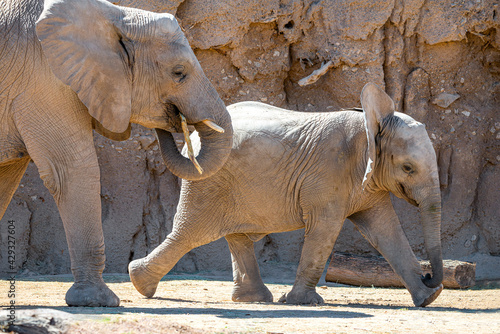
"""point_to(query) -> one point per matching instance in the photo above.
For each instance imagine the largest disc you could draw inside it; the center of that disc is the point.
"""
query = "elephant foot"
(143, 279)
(424, 301)
(245, 294)
(308, 297)
(91, 295)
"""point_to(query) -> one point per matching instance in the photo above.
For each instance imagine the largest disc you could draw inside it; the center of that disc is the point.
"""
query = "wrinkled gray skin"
(81, 64)
(290, 170)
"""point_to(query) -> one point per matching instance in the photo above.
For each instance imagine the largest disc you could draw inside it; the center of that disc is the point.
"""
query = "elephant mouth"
(405, 195)
(179, 124)
(174, 118)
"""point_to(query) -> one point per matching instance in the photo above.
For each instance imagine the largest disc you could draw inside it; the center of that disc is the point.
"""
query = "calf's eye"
(407, 168)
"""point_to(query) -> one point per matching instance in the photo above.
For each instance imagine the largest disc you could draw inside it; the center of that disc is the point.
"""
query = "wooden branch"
(376, 271)
(315, 75)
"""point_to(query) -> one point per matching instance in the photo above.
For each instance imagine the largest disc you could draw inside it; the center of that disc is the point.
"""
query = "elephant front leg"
(248, 285)
(147, 272)
(318, 245)
(79, 202)
(381, 227)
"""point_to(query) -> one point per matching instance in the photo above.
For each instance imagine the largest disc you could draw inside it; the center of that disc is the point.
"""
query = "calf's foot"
(298, 296)
(426, 296)
(144, 280)
(247, 293)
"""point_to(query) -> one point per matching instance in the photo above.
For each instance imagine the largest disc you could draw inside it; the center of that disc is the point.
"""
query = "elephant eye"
(179, 73)
(407, 168)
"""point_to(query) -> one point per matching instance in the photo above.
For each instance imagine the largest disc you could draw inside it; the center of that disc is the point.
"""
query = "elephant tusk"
(213, 126)
(191, 156)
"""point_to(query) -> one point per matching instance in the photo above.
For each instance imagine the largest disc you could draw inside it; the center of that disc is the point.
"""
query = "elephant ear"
(377, 105)
(109, 134)
(88, 51)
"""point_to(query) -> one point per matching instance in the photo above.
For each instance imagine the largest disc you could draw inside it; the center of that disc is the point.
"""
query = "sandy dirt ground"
(202, 304)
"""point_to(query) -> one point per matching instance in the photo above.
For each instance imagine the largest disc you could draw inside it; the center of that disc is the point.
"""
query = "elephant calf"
(290, 170)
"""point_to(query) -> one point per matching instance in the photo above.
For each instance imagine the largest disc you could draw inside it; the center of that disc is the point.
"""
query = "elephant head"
(401, 159)
(132, 66)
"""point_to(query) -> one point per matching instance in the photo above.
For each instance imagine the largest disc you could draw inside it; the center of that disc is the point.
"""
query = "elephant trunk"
(215, 148)
(430, 210)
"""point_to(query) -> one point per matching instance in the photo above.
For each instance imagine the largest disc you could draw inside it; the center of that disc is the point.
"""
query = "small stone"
(467, 244)
(452, 129)
(498, 157)
(493, 130)
(276, 54)
(263, 99)
(223, 71)
(34, 198)
(21, 185)
(447, 111)
(462, 80)
(466, 113)
(444, 99)
(118, 148)
(497, 125)
(433, 136)
(225, 78)
(250, 62)
(146, 141)
(354, 69)
(155, 148)
(473, 238)
(257, 64)
(473, 133)
(242, 92)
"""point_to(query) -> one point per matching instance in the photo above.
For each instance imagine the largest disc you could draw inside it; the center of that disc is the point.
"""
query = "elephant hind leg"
(248, 285)
(322, 230)
(10, 176)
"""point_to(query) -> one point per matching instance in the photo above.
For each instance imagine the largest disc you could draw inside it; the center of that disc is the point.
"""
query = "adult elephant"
(67, 66)
(290, 170)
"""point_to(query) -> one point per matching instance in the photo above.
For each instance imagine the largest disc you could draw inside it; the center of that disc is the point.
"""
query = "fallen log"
(376, 271)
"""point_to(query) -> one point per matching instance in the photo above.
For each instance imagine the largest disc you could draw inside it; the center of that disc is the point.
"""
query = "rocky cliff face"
(440, 62)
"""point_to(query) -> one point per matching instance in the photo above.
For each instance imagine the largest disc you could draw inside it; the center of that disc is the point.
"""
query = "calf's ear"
(377, 105)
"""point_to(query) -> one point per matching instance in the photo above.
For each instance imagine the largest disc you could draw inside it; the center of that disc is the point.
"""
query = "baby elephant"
(290, 170)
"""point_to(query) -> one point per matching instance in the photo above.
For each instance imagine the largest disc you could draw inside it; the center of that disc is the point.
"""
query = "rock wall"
(439, 61)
